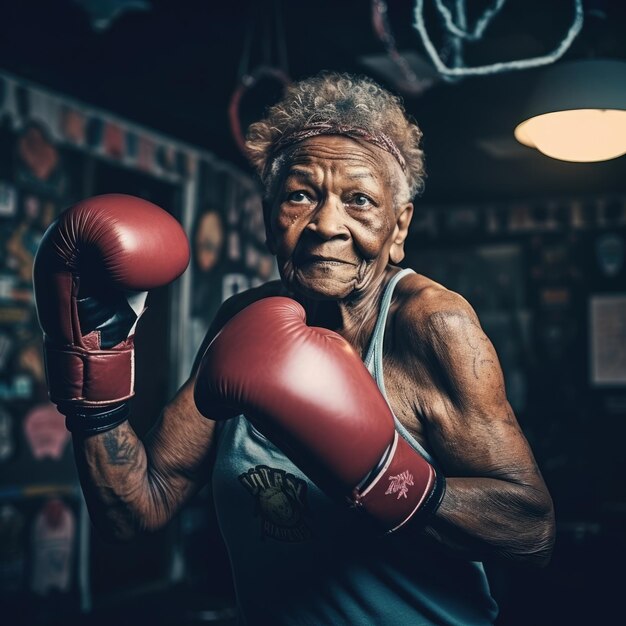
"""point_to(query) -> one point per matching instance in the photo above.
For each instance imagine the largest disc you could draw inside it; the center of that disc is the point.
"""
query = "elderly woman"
(344, 496)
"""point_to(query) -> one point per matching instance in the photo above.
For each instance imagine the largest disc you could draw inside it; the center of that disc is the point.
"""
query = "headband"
(315, 129)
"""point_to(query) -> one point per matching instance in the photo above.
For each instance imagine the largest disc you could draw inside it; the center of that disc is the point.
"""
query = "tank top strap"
(374, 355)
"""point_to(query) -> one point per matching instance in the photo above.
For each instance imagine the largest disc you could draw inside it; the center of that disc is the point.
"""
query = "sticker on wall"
(145, 159)
(208, 240)
(73, 125)
(38, 161)
(114, 140)
(52, 548)
(208, 245)
(45, 432)
(610, 254)
(37, 152)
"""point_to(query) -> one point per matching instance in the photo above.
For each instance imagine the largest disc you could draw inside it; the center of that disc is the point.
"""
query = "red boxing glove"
(308, 391)
(92, 271)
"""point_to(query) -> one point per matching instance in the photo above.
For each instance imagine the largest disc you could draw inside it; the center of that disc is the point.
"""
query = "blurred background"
(152, 98)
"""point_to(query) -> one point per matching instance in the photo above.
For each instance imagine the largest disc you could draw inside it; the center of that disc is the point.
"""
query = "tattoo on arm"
(478, 363)
(479, 346)
(119, 447)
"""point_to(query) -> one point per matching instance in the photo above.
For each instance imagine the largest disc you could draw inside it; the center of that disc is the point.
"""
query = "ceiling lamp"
(578, 111)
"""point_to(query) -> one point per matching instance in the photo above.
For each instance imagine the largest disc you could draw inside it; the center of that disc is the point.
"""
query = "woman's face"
(333, 223)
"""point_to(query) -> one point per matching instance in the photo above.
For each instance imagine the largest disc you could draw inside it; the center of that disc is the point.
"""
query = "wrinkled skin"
(334, 222)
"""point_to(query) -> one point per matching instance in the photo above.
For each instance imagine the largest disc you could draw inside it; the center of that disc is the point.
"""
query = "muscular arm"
(496, 503)
(132, 485)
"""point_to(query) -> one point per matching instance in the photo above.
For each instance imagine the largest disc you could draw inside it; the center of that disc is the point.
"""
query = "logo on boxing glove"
(400, 484)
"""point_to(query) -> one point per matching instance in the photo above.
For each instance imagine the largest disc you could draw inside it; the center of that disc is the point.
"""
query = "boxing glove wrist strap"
(92, 377)
(406, 487)
(84, 421)
(434, 499)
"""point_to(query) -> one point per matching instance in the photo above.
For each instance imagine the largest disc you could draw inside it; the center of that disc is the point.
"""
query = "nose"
(328, 221)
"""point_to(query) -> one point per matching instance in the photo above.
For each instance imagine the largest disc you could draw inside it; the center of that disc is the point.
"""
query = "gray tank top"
(299, 558)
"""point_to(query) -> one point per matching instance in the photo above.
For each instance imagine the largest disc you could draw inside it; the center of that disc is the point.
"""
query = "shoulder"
(427, 311)
(440, 330)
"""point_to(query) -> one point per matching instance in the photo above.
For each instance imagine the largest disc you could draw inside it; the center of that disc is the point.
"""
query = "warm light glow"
(582, 135)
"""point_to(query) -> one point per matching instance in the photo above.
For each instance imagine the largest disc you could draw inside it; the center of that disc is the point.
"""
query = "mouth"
(317, 259)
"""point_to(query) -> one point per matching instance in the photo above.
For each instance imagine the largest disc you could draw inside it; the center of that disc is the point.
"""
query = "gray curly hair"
(341, 101)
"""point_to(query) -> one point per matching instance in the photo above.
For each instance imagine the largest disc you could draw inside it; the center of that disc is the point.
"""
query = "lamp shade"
(577, 111)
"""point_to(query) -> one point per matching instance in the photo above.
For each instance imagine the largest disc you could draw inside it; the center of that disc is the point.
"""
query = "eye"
(297, 197)
(360, 200)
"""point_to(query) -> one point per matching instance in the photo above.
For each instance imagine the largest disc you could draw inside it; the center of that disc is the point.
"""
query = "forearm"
(483, 518)
(117, 483)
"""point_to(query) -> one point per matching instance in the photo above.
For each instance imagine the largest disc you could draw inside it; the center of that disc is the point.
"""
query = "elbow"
(545, 539)
(539, 537)
(529, 537)
(539, 552)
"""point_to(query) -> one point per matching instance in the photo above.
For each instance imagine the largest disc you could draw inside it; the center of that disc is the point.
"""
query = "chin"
(322, 288)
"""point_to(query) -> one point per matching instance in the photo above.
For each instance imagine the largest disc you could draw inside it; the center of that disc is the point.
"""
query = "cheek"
(287, 226)
(285, 218)
(371, 235)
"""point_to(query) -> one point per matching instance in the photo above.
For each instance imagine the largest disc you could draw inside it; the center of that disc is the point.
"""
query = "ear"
(400, 232)
(267, 219)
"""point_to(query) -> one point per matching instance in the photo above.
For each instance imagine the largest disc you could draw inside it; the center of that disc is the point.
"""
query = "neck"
(353, 318)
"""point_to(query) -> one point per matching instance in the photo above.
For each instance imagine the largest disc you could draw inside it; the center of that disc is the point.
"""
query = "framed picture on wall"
(607, 321)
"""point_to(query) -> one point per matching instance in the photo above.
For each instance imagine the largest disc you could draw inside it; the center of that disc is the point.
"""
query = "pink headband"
(330, 128)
